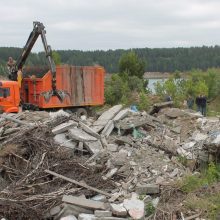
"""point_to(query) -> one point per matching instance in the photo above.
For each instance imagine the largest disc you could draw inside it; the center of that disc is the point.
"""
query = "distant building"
(156, 75)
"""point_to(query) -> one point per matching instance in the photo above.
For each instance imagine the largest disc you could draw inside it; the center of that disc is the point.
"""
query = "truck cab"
(9, 96)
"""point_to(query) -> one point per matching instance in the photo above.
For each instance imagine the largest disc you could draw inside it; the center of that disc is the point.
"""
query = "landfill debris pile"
(58, 166)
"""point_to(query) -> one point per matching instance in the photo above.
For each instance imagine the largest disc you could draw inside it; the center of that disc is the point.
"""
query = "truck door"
(7, 101)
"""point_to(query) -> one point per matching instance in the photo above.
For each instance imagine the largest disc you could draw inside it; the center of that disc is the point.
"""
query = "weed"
(141, 197)
(149, 208)
(182, 160)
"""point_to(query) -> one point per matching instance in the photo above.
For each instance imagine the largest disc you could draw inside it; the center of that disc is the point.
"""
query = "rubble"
(69, 168)
(100, 214)
(147, 189)
(64, 127)
(135, 208)
(85, 203)
(118, 210)
(80, 135)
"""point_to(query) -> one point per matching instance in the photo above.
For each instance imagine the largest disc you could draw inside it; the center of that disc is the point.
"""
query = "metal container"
(84, 86)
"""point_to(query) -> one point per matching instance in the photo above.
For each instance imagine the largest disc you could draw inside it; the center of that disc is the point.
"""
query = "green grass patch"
(208, 204)
(193, 182)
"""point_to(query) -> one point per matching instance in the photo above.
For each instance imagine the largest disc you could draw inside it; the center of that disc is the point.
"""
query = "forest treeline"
(157, 59)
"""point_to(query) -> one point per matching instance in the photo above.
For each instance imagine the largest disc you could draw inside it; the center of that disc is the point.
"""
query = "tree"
(130, 63)
(56, 57)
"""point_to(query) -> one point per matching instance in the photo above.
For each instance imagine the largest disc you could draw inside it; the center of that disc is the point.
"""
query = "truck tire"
(81, 111)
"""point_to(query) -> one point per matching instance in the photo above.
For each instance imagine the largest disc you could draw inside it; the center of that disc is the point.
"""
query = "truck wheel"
(81, 111)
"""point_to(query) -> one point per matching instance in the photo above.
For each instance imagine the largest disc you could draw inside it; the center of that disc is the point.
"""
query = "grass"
(192, 182)
(197, 186)
(209, 204)
(214, 107)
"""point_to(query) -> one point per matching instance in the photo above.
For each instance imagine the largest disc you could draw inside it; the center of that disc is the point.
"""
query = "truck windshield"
(4, 92)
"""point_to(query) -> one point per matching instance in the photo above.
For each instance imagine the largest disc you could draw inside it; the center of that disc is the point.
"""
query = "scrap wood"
(7, 117)
(193, 216)
(78, 183)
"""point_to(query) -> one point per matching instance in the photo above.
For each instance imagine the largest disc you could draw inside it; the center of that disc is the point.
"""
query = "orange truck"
(69, 87)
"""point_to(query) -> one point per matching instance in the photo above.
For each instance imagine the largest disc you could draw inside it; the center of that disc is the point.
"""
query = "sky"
(112, 24)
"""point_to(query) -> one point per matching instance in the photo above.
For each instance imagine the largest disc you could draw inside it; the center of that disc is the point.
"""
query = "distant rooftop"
(156, 75)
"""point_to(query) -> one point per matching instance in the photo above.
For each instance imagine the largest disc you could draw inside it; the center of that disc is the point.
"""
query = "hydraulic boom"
(38, 29)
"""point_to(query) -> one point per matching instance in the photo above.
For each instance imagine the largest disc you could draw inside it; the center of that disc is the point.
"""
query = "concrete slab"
(69, 217)
(62, 140)
(122, 114)
(74, 210)
(93, 147)
(80, 135)
(100, 123)
(101, 214)
(64, 127)
(135, 208)
(89, 130)
(147, 189)
(108, 128)
(83, 216)
(118, 210)
(112, 147)
(86, 203)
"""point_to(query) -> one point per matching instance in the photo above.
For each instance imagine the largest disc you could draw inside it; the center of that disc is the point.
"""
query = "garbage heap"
(58, 166)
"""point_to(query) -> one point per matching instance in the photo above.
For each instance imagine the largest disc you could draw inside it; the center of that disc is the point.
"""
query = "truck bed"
(84, 85)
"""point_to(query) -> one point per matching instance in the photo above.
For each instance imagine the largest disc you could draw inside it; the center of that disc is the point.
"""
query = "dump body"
(84, 85)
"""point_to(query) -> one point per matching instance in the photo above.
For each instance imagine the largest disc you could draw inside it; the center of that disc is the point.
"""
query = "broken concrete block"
(108, 128)
(59, 113)
(122, 114)
(64, 127)
(147, 189)
(62, 140)
(120, 158)
(101, 198)
(86, 203)
(185, 153)
(189, 145)
(111, 173)
(80, 135)
(155, 201)
(80, 146)
(216, 141)
(83, 216)
(110, 113)
(174, 173)
(69, 209)
(199, 137)
(118, 210)
(135, 208)
(100, 213)
(105, 117)
(55, 210)
(89, 130)
(134, 122)
(69, 217)
(173, 112)
(93, 147)
(112, 147)
(176, 130)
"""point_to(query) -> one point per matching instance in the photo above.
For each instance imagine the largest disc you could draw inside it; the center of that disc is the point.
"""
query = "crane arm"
(38, 29)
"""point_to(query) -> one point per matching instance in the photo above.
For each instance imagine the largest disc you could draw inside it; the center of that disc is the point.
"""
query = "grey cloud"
(111, 24)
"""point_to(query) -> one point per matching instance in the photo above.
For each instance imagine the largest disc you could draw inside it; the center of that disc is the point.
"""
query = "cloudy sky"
(112, 24)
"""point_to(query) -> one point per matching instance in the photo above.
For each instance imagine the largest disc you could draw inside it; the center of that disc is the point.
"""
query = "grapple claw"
(61, 95)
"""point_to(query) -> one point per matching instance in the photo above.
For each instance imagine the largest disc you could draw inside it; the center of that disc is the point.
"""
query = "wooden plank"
(78, 183)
